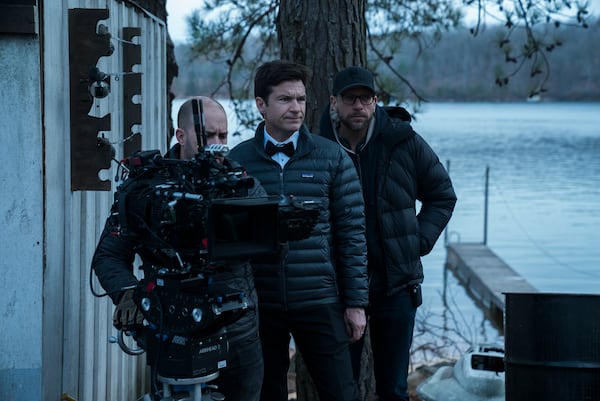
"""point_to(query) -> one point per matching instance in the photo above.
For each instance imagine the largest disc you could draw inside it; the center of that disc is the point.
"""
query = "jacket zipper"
(283, 262)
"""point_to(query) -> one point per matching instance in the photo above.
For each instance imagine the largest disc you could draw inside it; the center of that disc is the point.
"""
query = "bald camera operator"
(113, 263)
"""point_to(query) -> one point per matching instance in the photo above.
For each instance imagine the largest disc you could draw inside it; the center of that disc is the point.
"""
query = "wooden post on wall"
(88, 154)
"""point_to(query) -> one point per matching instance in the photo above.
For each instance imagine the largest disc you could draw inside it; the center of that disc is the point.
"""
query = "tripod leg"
(166, 391)
(197, 395)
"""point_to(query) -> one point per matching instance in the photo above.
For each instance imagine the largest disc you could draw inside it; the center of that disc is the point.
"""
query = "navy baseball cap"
(352, 77)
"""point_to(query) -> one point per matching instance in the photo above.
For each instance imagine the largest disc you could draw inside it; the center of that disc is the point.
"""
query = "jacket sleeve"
(436, 194)
(348, 228)
(113, 262)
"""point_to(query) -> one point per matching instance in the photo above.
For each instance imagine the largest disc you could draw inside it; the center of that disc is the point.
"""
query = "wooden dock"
(485, 276)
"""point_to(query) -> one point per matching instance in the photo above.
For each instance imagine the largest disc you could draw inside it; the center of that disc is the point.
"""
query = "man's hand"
(126, 312)
(356, 322)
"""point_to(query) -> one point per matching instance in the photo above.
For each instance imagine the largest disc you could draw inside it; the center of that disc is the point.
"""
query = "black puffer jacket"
(330, 265)
(114, 258)
(397, 167)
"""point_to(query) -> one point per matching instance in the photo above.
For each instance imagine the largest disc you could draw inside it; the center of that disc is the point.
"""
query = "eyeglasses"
(364, 99)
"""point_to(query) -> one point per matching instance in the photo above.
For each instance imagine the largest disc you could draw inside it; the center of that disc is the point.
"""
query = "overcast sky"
(178, 10)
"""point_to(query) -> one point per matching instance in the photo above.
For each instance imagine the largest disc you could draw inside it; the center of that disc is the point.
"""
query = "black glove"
(126, 312)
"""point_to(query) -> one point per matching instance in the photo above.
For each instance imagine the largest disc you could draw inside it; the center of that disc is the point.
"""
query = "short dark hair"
(272, 73)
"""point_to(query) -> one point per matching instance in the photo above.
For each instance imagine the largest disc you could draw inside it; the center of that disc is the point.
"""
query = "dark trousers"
(242, 378)
(320, 336)
(391, 323)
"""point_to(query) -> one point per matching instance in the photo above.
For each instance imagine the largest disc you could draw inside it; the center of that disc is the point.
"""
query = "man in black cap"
(396, 168)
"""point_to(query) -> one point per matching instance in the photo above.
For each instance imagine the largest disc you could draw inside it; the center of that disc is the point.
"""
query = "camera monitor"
(242, 227)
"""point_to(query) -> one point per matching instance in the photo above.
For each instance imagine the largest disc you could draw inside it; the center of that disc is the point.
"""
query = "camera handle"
(119, 339)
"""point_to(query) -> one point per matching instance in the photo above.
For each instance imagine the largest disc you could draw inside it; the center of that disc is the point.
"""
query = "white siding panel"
(80, 358)
(55, 78)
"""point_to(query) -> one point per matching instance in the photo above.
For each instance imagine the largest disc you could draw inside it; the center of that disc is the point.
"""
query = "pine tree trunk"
(366, 380)
(326, 36)
(305, 388)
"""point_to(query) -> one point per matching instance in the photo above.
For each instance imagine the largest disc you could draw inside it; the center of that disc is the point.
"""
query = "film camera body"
(190, 219)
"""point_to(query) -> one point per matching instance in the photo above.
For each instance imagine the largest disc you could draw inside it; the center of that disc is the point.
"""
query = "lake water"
(544, 196)
(543, 210)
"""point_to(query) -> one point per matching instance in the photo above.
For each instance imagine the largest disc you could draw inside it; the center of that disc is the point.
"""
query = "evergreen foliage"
(459, 67)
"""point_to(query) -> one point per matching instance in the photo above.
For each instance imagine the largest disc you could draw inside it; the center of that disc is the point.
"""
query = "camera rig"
(196, 208)
(191, 218)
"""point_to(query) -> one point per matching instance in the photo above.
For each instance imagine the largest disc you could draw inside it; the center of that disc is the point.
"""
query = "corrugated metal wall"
(78, 359)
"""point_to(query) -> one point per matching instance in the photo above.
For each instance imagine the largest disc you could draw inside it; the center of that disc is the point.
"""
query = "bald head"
(215, 124)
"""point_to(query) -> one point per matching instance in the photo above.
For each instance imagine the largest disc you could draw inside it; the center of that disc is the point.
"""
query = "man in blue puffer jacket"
(318, 291)
(397, 168)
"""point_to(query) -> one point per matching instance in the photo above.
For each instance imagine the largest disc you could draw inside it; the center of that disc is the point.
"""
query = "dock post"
(485, 205)
(446, 228)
